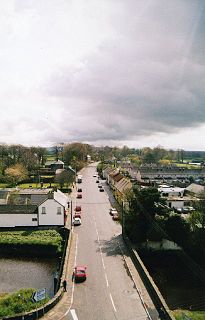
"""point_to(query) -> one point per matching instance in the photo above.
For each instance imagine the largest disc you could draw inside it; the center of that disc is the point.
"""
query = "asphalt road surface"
(109, 292)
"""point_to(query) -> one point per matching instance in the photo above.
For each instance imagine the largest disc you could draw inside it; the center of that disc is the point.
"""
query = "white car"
(76, 221)
(113, 212)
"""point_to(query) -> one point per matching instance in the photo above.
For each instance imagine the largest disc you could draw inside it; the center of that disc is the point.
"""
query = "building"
(48, 210)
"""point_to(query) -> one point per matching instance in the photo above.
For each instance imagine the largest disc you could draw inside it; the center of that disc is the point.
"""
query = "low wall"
(159, 302)
(38, 313)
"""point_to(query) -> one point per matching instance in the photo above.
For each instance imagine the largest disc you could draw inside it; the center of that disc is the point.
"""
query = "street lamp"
(70, 205)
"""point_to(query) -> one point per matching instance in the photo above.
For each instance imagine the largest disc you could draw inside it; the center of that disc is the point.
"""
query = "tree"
(65, 178)
(178, 229)
(16, 173)
(197, 220)
(200, 208)
(143, 208)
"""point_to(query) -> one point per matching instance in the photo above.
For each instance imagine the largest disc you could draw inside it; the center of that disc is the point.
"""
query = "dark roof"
(15, 209)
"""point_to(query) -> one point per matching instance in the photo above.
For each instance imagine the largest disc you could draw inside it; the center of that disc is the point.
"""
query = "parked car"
(79, 190)
(79, 195)
(97, 181)
(77, 221)
(78, 208)
(116, 217)
(99, 186)
(79, 273)
(101, 189)
(113, 211)
(77, 215)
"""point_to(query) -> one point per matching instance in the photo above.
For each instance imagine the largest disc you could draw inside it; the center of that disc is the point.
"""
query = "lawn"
(37, 185)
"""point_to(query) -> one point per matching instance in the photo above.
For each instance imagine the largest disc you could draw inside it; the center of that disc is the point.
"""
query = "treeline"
(18, 163)
(149, 155)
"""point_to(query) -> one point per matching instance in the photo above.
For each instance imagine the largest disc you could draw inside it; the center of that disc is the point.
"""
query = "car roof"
(80, 268)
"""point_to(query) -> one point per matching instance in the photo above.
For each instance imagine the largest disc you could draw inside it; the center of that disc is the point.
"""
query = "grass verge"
(19, 302)
(186, 314)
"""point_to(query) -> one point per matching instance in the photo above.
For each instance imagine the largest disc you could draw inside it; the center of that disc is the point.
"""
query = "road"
(109, 292)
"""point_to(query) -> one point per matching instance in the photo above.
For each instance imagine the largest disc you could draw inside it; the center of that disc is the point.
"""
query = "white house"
(50, 212)
(168, 191)
(18, 216)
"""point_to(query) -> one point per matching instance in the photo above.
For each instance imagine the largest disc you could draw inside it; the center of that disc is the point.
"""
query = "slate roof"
(195, 188)
(18, 209)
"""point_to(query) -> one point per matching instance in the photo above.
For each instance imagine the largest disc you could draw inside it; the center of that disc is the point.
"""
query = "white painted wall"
(18, 220)
(51, 218)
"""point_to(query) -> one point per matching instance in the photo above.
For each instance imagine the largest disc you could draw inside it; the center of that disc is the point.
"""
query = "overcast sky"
(104, 72)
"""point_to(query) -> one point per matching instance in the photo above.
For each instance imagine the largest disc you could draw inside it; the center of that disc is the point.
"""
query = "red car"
(77, 208)
(77, 215)
(79, 273)
(79, 195)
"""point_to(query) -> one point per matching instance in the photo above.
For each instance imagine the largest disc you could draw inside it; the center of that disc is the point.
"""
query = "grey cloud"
(147, 79)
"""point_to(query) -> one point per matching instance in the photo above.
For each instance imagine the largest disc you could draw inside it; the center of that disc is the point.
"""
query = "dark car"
(79, 190)
(116, 217)
(79, 195)
(101, 189)
(97, 181)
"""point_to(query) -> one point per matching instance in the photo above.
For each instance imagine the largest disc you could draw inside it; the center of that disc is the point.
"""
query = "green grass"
(4, 185)
(36, 237)
(193, 315)
(19, 302)
(36, 185)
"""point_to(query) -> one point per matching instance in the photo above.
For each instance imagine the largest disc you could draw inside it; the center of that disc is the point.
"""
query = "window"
(43, 210)
(34, 219)
(58, 210)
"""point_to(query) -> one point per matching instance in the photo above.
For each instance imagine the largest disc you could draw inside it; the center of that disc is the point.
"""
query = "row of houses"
(176, 197)
(32, 208)
(118, 183)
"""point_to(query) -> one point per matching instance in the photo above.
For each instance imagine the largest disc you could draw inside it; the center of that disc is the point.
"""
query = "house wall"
(18, 220)
(175, 204)
(51, 218)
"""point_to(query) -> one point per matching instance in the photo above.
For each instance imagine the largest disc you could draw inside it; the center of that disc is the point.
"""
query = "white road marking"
(74, 315)
(103, 262)
(112, 302)
(106, 280)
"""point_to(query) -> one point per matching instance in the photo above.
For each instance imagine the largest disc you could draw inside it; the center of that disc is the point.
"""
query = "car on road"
(77, 215)
(97, 181)
(79, 190)
(113, 211)
(77, 208)
(116, 217)
(79, 195)
(99, 186)
(101, 189)
(79, 273)
(77, 221)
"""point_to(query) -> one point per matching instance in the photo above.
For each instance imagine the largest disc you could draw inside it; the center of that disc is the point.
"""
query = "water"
(35, 273)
